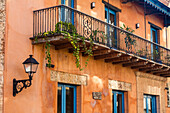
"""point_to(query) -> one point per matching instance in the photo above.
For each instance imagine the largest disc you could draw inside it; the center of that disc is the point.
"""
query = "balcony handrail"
(104, 23)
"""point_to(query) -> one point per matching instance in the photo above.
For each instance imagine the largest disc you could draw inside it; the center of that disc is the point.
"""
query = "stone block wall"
(151, 85)
(2, 37)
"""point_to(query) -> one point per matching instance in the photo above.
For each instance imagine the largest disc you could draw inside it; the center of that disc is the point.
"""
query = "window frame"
(114, 92)
(72, 3)
(113, 12)
(156, 38)
(63, 11)
(154, 103)
(168, 94)
(63, 97)
(156, 34)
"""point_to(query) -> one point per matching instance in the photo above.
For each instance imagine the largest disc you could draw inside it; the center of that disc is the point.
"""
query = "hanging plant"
(69, 31)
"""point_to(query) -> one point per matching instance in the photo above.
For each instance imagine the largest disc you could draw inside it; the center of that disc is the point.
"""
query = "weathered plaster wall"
(17, 48)
(98, 74)
(2, 38)
(131, 14)
(41, 96)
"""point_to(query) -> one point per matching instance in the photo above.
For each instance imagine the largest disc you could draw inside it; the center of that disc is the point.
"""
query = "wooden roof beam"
(162, 71)
(101, 52)
(139, 63)
(70, 50)
(156, 67)
(123, 58)
(165, 75)
(128, 61)
(145, 66)
(106, 56)
(158, 70)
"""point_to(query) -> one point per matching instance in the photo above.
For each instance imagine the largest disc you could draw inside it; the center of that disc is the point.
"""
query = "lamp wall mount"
(18, 85)
(30, 66)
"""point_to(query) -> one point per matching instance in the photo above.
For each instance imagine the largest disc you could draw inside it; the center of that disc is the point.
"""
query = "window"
(66, 99)
(110, 17)
(168, 94)
(154, 48)
(168, 98)
(67, 15)
(69, 3)
(149, 104)
(118, 101)
(155, 37)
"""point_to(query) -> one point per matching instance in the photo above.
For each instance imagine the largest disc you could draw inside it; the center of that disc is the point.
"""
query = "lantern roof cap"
(30, 60)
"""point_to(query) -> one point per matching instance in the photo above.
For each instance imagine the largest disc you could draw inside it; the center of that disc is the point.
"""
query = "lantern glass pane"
(34, 68)
(27, 67)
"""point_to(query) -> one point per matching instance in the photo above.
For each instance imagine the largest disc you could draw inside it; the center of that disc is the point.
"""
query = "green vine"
(128, 40)
(47, 45)
(69, 31)
(77, 41)
(155, 55)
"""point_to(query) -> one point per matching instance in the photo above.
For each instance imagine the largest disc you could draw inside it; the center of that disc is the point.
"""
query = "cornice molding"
(150, 76)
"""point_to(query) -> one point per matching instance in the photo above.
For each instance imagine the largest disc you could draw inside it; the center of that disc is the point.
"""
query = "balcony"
(117, 47)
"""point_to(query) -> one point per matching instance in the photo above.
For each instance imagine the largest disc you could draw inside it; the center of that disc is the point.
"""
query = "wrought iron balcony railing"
(112, 36)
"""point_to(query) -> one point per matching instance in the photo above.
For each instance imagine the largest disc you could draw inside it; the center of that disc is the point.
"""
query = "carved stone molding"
(113, 84)
(150, 76)
(64, 77)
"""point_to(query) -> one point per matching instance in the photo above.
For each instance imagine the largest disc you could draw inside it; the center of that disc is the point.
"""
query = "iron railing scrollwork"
(45, 20)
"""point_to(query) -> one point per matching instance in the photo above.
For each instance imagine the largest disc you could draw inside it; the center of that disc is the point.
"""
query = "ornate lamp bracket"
(30, 66)
(18, 85)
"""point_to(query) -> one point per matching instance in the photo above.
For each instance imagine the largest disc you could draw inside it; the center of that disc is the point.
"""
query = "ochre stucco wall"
(98, 75)
(41, 96)
(131, 14)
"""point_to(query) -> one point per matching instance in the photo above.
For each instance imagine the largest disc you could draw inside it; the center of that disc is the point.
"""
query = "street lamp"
(30, 66)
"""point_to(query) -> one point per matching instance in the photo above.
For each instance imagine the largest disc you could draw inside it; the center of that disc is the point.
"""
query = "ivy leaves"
(128, 40)
(77, 41)
(69, 31)
(48, 55)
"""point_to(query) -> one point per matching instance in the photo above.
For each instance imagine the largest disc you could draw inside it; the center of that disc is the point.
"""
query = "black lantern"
(30, 66)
